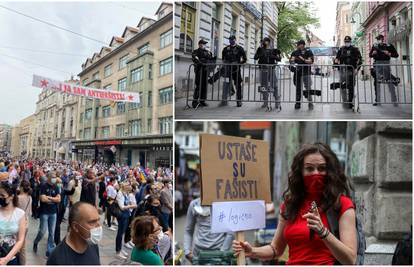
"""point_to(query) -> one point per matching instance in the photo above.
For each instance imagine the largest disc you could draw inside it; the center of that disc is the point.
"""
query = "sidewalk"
(320, 111)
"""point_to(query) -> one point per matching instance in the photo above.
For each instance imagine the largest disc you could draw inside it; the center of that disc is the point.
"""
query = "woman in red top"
(316, 176)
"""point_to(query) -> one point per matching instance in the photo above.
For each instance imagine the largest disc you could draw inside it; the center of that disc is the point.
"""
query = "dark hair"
(25, 185)
(337, 183)
(11, 191)
(141, 228)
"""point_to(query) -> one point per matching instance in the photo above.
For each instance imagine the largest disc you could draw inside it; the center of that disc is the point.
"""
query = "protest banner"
(78, 90)
(234, 177)
(234, 169)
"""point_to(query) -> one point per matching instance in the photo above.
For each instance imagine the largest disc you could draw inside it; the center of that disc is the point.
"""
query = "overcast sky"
(326, 11)
(99, 20)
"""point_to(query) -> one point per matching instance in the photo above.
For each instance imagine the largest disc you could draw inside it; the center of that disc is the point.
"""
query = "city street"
(106, 245)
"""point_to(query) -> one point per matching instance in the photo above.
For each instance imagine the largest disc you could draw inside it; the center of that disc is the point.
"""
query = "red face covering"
(314, 184)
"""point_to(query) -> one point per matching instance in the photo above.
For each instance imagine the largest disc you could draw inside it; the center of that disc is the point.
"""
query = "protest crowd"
(135, 202)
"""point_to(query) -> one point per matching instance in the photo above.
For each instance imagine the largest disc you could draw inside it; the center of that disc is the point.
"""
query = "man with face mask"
(199, 217)
(303, 57)
(49, 200)
(80, 246)
(200, 57)
(268, 80)
(233, 54)
(350, 56)
(382, 53)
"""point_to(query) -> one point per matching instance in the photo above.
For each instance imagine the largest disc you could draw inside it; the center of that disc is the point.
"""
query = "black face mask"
(3, 202)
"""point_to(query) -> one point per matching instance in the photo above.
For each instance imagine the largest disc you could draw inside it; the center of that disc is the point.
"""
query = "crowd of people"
(136, 202)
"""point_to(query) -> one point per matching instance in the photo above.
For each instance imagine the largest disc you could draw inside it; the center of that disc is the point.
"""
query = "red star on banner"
(130, 97)
(43, 83)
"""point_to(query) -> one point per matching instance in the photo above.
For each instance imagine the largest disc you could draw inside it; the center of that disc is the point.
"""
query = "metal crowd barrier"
(274, 85)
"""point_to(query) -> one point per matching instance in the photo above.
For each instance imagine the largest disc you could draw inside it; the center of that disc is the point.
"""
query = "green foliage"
(294, 18)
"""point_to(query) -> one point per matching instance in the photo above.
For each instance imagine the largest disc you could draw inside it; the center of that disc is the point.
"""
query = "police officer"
(200, 57)
(382, 53)
(233, 54)
(302, 72)
(268, 80)
(349, 56)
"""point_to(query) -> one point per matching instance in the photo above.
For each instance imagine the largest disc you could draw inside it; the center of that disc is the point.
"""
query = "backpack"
(333, 220)
(403, 254)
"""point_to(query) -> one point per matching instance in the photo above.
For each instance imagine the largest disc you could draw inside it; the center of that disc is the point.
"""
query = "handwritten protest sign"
(238, 216)
(233, 169)
(73, 89)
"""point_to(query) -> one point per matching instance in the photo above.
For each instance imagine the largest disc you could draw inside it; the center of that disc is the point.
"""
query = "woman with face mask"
(145, 235)
(317, 184)
(12, 226)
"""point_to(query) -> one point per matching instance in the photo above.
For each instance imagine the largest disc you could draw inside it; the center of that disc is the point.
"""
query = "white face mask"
(202, 210)
(161, 235)
(95, 235)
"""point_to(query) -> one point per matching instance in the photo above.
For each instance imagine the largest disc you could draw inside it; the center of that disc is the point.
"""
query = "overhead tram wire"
(42, 51)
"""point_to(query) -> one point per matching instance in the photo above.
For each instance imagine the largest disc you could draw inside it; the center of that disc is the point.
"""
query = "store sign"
(73, 89)
(108, 143)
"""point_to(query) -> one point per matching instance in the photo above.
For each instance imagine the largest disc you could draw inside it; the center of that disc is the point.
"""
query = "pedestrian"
(268, 58)
(317, 183)
(199, 217)
(201, 57)
(80, 246)
(382, 53)
(303, 59)
(166, 199)
(35, 185)
(49, 200)
(349, 56)
(88, 193)
(233, 57)
(111, 194)
(101, 191)
(25, 203)
(74, 190)
(126, 206)
(145, 231)
(13, 225)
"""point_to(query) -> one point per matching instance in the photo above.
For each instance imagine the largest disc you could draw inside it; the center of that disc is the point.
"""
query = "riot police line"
(274, 85)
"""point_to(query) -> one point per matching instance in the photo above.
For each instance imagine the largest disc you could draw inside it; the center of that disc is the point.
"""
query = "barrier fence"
(277, 85)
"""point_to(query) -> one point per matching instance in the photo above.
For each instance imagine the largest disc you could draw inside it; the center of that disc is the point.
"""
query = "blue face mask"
(232, 42)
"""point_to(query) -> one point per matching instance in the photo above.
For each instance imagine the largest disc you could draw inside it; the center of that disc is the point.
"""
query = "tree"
(294, 19)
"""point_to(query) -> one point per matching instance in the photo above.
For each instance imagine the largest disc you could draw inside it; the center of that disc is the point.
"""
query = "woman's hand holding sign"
(242, 246)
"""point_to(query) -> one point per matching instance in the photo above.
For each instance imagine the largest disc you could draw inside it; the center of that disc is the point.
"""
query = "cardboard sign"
(238, 216)
(233, 169)
(73, 89)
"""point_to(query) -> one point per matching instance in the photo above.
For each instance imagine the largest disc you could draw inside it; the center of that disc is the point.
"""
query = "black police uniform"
(234, 55)
(351, 57)
(201, 56)
(268, 56)
(300, 72)
(382, 70)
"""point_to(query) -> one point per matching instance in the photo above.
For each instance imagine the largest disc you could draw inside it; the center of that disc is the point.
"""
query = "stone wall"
(380, 164)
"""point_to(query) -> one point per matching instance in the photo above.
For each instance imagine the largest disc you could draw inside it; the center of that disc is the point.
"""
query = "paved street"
(106, 246)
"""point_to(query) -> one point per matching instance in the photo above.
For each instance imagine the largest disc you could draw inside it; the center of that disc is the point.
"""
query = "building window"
(87, 133)
(105, 132)
(95, 76)
(165, 125)
(108, 87)
(149, 104)
(215, 28)
(81, 117)
(80, 134)
(88, 114)
(96, 112)
(187, 28)
(108, 70)
(122, 84)
(234, 21)
(166, 95)
(166, 38)
(166, 66)
(149, 126)
(135, 127)
(150, 71)
(123, 62)
(106, 111)
(120, 130)
(137, 74)
(143, 48)
(120, 107)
